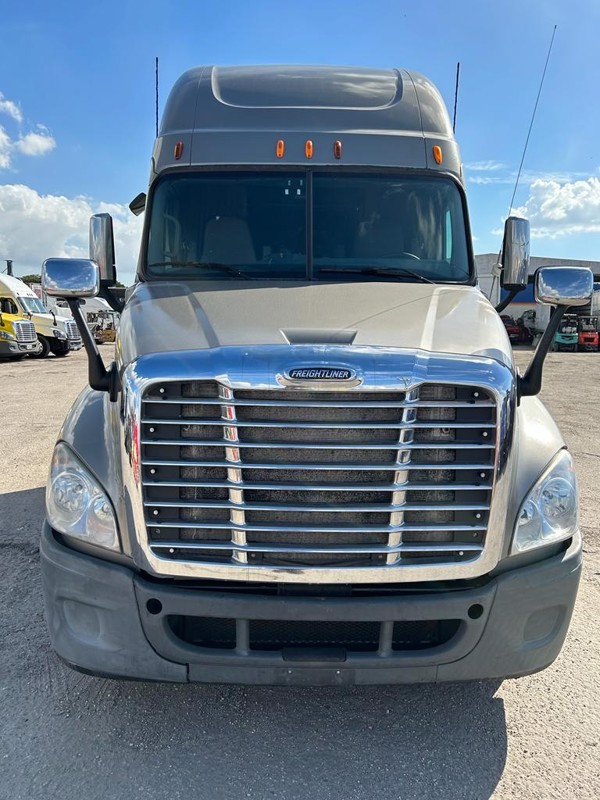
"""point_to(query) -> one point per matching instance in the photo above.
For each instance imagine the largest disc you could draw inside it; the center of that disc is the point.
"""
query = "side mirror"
(102, 247)
(564, 286)
(561, 287)
(515, 253)
(138, 204)
(70, 277)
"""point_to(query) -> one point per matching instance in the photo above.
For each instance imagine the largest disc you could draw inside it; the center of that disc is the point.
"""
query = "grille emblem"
(320, 374)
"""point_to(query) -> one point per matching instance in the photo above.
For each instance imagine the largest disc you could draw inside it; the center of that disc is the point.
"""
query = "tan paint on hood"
(163, 317)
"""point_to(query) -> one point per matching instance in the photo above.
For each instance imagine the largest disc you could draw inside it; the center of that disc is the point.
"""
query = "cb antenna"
(512, 294)
(537, 100)
(456, 95)
(156, 94)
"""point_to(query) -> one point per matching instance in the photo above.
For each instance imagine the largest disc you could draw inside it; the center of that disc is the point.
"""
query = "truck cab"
(55, 334)
(318, 462)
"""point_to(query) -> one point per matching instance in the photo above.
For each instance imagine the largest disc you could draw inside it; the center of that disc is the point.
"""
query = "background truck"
(55, 334)
(17, 337)
(313, 460)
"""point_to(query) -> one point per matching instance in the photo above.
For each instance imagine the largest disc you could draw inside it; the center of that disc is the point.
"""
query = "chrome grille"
(25, 331)
(287, 477)
(72, 330)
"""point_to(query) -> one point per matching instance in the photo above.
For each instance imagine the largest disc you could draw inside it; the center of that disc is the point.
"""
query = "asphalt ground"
(66, 735)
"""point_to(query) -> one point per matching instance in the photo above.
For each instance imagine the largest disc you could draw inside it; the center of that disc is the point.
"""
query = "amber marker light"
(308, 148)
(178, 150)
(280, 149)
(437, 154)
(337, 149)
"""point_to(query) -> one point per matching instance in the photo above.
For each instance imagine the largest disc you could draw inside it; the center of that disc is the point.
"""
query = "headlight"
(7, 335)
(550, 510)
(58, 334)
(76, 504)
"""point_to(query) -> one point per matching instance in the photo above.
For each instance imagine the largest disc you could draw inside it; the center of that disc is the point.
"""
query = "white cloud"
(34, 227)
(35, 144)
(11, 109)
(509, 178)
(561, 208)
(484, 166)
(5, 148)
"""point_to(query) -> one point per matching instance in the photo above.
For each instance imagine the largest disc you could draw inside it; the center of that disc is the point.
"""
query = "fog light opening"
(475, 611)
(154, 606)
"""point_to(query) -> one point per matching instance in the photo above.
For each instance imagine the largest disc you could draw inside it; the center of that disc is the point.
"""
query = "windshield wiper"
(217, 265)
(394, 271)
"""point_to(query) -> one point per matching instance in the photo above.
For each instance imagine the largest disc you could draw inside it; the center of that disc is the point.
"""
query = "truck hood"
(47, 320)
(173, 316)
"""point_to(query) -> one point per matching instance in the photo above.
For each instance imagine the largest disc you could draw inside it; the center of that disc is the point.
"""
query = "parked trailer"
(318, 462)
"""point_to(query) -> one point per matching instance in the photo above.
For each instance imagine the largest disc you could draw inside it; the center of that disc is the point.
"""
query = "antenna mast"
(156, 96)
(456, 96)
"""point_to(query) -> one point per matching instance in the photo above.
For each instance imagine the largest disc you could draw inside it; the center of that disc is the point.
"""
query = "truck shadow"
(422, 741)
(378, 743)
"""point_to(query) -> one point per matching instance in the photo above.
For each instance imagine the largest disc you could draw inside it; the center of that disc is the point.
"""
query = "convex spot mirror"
(70, 277)
(515, 253)
(564, 286)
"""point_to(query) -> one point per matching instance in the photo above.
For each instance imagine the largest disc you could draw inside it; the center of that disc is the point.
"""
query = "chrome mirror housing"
(102, 246)
(564, 286)
(515, 253)
(70, 277)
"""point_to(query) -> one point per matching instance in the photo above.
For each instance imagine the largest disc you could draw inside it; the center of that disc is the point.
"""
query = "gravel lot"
(71, 736)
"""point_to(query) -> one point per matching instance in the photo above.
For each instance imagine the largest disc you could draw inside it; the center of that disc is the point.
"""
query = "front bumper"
(58, 345)
(106, 619)
(10, 348)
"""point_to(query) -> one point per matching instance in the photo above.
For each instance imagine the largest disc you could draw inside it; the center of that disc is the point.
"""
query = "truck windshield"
(33, 305)
(296, 225)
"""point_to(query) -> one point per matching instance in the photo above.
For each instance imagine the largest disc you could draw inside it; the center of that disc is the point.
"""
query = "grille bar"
(266, 548)
(308, 425)
(319, 445)
(324, 487)
(323, 508)
(191, 401)
(363, 466)
(224, 526)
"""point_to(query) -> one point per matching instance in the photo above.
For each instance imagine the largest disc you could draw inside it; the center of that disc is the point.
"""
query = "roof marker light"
(337, 149)
(280, 149)
(437, 154)
(308, 148)
(178, 150)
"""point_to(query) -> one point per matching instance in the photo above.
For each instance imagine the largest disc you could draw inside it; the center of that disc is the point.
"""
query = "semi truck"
(55, 334)
(17, 337)
(313, 460)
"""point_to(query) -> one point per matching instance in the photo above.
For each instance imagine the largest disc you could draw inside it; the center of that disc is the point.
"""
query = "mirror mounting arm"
(99, 378)
(531, 383)
(107, 294)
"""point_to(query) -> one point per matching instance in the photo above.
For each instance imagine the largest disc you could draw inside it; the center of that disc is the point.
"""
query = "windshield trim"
(143, 275)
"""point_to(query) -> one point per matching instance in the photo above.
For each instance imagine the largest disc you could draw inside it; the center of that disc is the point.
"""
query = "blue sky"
(77, 104)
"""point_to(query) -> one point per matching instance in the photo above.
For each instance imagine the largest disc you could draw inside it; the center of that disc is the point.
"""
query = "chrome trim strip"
(326, 487)
(319, 466)
(225, 526)
(384, 369)
(191, 401)
(266, 548)
(395, 506)
(189, 421)
(452, 445)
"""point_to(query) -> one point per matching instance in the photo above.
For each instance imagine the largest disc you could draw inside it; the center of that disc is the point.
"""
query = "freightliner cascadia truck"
(313, 460)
